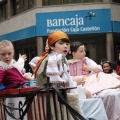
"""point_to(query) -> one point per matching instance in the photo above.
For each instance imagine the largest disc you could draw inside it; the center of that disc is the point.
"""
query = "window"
(59, 2)
(29, 49)
(22, 5)
(72, 1)
(52, 2)
(3, 10)
(89, 1)
(116, 1)
(31, 3)
(16, 7)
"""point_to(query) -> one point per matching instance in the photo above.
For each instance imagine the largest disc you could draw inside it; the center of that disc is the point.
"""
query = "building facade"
(96, 23)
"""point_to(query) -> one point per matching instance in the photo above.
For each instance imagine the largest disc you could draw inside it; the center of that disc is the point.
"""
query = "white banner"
(15, 103)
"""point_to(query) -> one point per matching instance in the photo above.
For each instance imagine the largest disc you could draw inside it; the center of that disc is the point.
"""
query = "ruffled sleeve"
(90, 62)
(55, 67)
(20, 64)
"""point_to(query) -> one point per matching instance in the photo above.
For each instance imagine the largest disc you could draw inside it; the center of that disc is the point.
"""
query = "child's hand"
(84, 78)
(79, 80)
(23, 56)
(28, 76)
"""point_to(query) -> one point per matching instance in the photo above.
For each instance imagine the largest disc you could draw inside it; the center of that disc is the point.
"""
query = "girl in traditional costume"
(11, 72)
(55, 66)
(81, 66)
(99, 83)
(106, 85)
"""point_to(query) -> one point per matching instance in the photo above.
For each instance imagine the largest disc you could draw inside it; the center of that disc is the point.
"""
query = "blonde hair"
(5, 43)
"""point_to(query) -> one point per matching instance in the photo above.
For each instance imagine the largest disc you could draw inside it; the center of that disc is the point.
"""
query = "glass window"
(89, 1)
(52, 2)
(16, 7)
(3, 12)
(116, 1)
(29, 49)
(24, 5)
(31, 3)
(72, 1)
(58, 2)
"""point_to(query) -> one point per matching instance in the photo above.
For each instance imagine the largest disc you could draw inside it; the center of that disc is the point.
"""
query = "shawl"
(44, 55)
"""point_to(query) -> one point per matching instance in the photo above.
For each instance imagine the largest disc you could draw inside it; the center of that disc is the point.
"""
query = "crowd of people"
(97, 85)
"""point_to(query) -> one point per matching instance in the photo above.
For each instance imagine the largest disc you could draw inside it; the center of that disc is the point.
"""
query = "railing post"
(48, 109)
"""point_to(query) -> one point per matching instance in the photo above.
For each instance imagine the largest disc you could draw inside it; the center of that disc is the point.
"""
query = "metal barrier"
(38, 109)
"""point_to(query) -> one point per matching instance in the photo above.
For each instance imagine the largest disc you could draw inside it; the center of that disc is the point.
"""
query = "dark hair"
(62, 40)
(104, 59)
(75, 45)
(110, 64)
